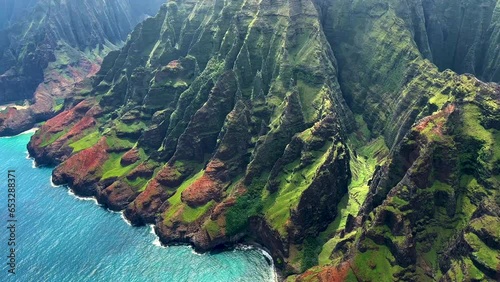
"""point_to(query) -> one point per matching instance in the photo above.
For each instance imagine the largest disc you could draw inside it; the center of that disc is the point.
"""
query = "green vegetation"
(247, 205)
(190, 214)
(293, 182)
(124, 128)
(212, 228)
(86, 142)
(119, 144)
(490, 152)
(362, 166)
(58, 104)
(176, 203)
(139, 183)
(113, 168)
(481, 252)
(375, 263)
(309, 255)
(53, 138)
(311, 91)
(311, 98)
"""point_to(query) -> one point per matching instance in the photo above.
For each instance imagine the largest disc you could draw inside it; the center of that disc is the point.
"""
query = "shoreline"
(245, 243)
(230, 246)
(32, 130)
(13, 105)
(277, 274)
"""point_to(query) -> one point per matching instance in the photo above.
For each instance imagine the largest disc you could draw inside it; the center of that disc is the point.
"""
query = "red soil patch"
(153, 184)
(175, 64)
(150, 200)
(153, 188)
(222, 207)
(83, 107)
(327, 274)
(85, 162)
(170, 176)
(130, 157)
(118, 195)
(9, 113)
(95, 111)
(202, 191)
(216, 169)
(437, 126)
(66, 118)
(60, 83)
(144, 170)
(85, 123)
(240, 189)
(59, 122)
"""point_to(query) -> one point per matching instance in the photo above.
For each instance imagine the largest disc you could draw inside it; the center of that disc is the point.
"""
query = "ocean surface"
(62, 238)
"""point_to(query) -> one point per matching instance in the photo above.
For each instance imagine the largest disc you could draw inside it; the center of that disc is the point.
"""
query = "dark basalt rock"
(316, 208)
(116, 196)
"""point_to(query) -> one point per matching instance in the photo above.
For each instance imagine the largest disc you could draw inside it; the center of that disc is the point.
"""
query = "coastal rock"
(80, 171)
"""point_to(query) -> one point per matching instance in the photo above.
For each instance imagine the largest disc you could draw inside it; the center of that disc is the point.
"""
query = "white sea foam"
(274, 275)
(33, 162)
(267, 255)
(33, 130)
(51, 182)
(70, 192)
(241, 247)
(122, 215)
(156, 241)
(193, 251)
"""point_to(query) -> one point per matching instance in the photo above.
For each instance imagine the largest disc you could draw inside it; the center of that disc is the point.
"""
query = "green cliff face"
(12, 10)
(323, 130)
(48, 48)
(459, 35)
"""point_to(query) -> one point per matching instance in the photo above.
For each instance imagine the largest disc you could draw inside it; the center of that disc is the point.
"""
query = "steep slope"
(55, 45)
(442, 169)
(460, 35)
(316, 128)
(12, 10)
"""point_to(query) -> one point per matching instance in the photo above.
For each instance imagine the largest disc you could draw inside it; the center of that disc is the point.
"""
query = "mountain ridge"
(316, 128)
(53, 48)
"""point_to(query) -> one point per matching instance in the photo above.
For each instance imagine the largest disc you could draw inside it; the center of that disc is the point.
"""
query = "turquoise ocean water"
(62, 238)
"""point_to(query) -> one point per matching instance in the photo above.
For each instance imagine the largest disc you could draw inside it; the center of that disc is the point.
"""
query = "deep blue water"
(62, 238)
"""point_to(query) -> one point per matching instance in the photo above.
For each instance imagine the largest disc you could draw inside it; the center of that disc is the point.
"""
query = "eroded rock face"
(46, 65)
(79, 171)
(315, 128)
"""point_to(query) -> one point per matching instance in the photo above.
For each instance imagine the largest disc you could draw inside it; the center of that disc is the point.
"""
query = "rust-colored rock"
(79, 171)
(130, 157)
(202, 191)
(326, 274)
(144, 208)
(144, 170)
(117, 196)
(221, 208)
(171, 176)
